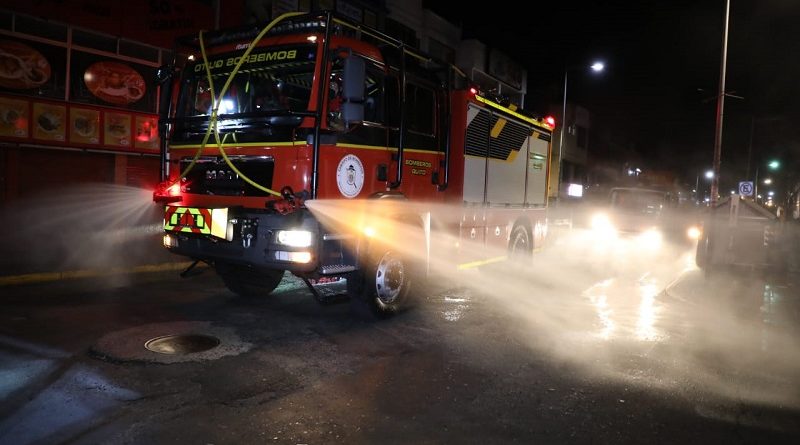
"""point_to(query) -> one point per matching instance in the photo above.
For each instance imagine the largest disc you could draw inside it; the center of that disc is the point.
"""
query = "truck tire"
(520, 245)
(248, 282)
(381, 288)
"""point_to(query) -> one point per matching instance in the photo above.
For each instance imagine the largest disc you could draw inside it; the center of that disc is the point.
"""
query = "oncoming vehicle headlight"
(294, 238)
(693, 233)
(650, 239)
(602, 223)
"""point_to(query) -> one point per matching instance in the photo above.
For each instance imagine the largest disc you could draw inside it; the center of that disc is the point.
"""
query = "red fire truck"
(264, 125)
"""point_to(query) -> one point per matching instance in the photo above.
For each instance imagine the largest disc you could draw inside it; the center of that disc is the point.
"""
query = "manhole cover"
(181, 344)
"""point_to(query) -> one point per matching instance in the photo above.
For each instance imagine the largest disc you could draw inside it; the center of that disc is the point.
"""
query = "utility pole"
(720, 109)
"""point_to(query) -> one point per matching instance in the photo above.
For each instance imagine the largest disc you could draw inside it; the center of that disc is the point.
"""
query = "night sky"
(658, 93)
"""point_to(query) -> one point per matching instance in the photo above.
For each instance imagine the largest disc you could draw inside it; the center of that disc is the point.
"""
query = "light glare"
(575, 190)
(651, 239)
(294, 238)
(294, 257)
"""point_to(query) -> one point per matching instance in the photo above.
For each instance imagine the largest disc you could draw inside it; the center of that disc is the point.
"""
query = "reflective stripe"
(212, 222)
(188, 219)
(219, 223)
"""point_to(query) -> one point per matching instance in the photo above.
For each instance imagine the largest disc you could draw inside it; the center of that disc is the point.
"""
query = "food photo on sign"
(13, 118)
(117, 129)
(49, 122)
(96, 80)
(32, 68)
(84, 125)
(114, 82)
(146, 132)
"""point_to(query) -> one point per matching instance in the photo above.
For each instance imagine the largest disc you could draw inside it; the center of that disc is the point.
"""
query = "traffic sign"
(746, 188)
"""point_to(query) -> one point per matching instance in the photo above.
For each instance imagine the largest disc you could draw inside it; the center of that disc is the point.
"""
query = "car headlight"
(294, 238)
(693, 233)
(600, 221)
(650, 239)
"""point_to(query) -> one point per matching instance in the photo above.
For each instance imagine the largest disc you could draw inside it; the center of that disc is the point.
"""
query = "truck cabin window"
(272, 79)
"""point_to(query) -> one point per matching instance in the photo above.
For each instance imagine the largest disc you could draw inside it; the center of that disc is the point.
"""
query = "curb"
(43, 277)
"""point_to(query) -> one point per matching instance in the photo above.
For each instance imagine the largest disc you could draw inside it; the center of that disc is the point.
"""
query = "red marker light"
(166, 192)
(550, 121)
(473, 91)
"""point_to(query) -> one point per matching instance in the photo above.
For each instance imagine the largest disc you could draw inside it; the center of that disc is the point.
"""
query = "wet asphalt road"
(575, 350)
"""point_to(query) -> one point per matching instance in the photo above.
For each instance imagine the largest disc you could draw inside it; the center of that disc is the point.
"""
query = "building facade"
(78, 97)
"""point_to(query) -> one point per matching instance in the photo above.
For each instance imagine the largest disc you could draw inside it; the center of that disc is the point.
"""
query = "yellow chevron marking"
(174, 223)
(498, 126)
(508, 110)
(217, 226)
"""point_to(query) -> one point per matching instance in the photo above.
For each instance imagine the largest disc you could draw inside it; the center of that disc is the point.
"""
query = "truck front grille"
(213, 176)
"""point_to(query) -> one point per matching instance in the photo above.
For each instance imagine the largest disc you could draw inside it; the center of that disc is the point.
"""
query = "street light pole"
(561, 138)
(720, 108)
(596, 67)
(755, 192)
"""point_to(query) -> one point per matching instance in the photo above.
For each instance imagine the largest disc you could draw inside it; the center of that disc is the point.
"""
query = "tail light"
(167, 191)
(550, 121)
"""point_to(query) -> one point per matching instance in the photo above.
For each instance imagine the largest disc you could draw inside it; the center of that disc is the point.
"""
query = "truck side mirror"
(164, 73)
(353, 90)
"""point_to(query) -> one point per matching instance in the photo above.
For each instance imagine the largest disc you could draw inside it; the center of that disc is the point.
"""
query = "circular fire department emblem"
(350, 176)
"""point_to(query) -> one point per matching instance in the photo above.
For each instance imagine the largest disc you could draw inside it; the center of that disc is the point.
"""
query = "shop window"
(6, 20)
(439, 50)
(370, 18)
(40, 28)
(95, 41)
(583, 135)
(324, 5)
(138, 51)
(402, 32)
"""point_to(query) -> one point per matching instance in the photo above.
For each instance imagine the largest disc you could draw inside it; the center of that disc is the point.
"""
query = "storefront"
(78, 100)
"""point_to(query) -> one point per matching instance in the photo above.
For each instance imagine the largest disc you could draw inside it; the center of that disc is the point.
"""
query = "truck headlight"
(294, 238)
(170, 241)
(294, 257)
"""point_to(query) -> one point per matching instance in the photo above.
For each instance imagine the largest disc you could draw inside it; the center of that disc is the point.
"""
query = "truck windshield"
(648, 202)
(271, 80)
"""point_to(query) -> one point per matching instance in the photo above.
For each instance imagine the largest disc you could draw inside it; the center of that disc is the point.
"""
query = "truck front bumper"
(261, 239)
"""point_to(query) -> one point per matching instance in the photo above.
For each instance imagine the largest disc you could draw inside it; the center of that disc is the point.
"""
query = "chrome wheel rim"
(390, 277)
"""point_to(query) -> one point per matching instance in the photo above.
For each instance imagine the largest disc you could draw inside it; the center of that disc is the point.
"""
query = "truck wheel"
(520, 246)
(248, 282)
(381, 289)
